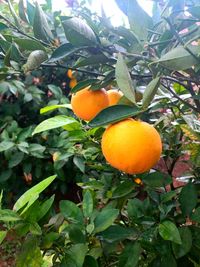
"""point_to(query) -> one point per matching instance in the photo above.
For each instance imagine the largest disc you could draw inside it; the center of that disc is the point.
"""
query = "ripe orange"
(86, 104)
(114, 96)
(72, 83)
(131, 146)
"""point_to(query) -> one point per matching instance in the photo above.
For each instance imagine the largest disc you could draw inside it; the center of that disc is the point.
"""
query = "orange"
(131, 146)
(72, 83)
(114, 96)
(86, 104)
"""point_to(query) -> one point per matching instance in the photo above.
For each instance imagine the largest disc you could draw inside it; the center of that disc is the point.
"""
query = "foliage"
(92, 214)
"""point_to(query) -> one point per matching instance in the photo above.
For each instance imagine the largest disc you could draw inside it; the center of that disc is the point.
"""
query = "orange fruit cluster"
(131, 146)
(73, 81)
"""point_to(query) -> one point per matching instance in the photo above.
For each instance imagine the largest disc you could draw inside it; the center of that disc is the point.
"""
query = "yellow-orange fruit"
(131, 146)
(72, 83)
(114, 96)
(86, 104)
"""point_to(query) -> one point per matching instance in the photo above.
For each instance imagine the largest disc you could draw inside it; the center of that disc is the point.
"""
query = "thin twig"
(179, 98)
(180, 39)
(23, 33)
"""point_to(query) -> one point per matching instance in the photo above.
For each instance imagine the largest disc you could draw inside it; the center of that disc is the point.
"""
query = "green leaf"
(15, 159)
(179, 58)
(116, 233)
(124, 79)
(196, 215)
(9, 216)
(135, 209)
(29, 44)
(2, 236)
(83, 84)
(30, 11)
(87, 203)
(150, 92)
(169, 231)
(54, 122)
(51, 108)
(80, 163)
(3, 26)
(71, 212)
(13, 13)
(30, 254)
(130, 255)
(76, 235)
(5, 145)
(41, 27)
(90, 262)
(78, 33)
(184, 248)
(45, 207)
(157, 179)
(125, 188)
(92, 60)
(139, 20)
(188, 199)
(76, 254)
(21, 11)
(113, 114)
(35, 229)
(104, 219)
(34, 191)
(62, 52)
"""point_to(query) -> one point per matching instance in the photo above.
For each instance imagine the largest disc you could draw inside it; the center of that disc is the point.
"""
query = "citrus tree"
(95, 107)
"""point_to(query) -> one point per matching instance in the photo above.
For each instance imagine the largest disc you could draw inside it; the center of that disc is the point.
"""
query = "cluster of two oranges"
(131, 146)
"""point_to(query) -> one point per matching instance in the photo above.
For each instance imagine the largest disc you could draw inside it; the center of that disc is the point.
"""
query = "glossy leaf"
(188, 199)
(7, 215)
(104, 219)
(76, 235)
(124, 79)
(157, 179)
(123, 189)
(87, 203)
(92, 60)
(29, 44)
(80, 163)
(150, 92)
(21, 10)
(54, 122)
(169, 231)
(76, 255)
(83, 84)
(5, 145)
(179, 58)
(184, 248)
(71, 212)
(34, 191)
(139, 20)
(130, 255)
(116, 233)
(78, 33)
(41, 27)
(114, 114)
(62, 52)
(51, 108)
